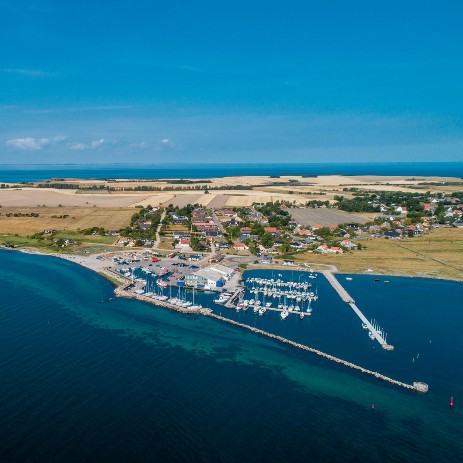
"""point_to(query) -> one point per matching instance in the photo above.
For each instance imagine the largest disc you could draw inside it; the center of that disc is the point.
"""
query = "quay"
(344, 295)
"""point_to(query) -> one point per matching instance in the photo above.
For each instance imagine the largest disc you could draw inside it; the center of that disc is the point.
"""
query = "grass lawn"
(438, 254)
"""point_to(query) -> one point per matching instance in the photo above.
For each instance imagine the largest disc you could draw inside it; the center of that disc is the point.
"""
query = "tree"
(195, 244)
(267, 240)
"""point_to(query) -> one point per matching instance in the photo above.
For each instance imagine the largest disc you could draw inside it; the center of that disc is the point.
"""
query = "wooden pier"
(230, 303)
(345, 296)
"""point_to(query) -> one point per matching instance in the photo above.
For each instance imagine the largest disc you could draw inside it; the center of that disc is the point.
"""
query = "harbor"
(128, 290)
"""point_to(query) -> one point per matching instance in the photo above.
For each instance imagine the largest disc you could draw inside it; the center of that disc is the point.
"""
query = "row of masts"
(379, 330)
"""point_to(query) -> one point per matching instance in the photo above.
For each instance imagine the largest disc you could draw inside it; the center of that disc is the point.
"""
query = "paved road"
(158, 235)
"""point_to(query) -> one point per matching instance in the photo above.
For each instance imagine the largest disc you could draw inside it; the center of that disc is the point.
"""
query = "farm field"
(53, 198)
(324, 217)
(78, 218)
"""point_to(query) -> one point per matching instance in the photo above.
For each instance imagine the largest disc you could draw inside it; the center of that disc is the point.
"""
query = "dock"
(230, 303)
(345, 296)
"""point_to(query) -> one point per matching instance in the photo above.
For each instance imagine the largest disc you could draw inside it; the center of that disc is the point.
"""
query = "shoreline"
(121, 291)
(87, 262)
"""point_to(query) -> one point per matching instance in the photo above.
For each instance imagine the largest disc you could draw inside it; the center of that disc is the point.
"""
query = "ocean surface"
(41, 172)
(89, 378)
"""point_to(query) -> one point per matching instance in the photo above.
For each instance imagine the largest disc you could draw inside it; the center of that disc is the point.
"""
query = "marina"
(291, 288)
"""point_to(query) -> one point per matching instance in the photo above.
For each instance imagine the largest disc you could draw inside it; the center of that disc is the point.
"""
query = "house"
(336, 250)
(123, 241)
(273, 231)
(324, 248)
(316, 226)
(49, 231)
(393, 235)
(401, 209)
(227, 213)
(184, 243)
(245, 230)
(240, 247)
(216, 258)
(348, 244)
(180, 235)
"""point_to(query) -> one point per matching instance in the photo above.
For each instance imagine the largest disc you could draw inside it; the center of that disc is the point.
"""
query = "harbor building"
(210, 277)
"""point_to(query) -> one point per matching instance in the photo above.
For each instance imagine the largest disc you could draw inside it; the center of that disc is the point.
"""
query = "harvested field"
(183, 200)
(78, 217)
(155, 199)
(324, 217)
(218, 201)
(53, 198)
(244, 200)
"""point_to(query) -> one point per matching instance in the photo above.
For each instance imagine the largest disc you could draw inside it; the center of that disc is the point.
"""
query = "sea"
(11, 173)
(89, 377)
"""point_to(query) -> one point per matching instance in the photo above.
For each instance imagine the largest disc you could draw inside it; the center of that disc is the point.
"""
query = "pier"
(345, 296)
(230, 303)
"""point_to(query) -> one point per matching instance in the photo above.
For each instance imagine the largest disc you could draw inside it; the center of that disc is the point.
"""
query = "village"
(279, 229)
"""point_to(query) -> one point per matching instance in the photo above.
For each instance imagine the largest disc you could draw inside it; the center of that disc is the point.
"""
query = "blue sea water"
(88, 378)
(31, 173)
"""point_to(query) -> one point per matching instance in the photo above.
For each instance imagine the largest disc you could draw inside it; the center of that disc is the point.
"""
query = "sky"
(223, 82)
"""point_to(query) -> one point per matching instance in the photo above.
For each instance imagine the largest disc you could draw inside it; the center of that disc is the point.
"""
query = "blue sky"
(181, 81)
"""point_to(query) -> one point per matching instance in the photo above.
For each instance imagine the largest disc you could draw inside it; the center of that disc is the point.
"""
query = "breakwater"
(315, 351)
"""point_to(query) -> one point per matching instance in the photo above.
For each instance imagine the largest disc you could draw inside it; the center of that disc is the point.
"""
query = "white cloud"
(29, 143)
(33, 144)
(97, 143)
(77, 146)
(168, 142)
(141, 145)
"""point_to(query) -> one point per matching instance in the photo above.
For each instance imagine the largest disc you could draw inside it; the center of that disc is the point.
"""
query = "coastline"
(120, 290)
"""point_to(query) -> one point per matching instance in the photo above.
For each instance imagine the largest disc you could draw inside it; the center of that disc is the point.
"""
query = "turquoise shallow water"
(86, 378)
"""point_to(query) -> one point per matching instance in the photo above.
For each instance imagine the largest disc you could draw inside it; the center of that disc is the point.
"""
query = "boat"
(349, 278)
(376, 279)
(221, 299)
(372, 336)
(364, 326)
(161, 283)
(451, 401)
(301, 315)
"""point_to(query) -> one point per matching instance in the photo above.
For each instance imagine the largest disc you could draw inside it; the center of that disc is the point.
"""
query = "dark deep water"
(85, 378)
